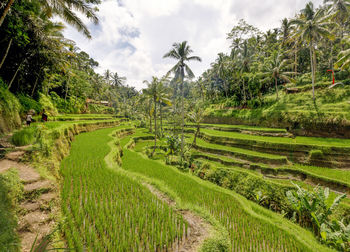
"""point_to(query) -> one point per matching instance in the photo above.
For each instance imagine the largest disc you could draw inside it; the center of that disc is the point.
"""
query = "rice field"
(249, 230)
(107, 211)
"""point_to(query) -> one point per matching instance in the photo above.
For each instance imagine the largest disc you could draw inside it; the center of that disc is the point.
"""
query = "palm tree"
(64, 9)
(311, 27)
(339, 11)
(182, 52)
(196, 117)
(155, 92)
(344, 59)
(118, 81)
(163, 99)
(275, 69)
(220, 68)
(285, 30)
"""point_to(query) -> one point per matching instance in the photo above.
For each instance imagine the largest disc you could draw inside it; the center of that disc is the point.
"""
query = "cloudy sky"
(133, 35)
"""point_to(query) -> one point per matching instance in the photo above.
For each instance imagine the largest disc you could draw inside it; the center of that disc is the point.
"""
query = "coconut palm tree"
(275, 69)
(344, 59)
(156, 92)
(65, 10)
(339, 11)
(181, 52)
(285, 30)
(311, 26)
(118, 81)
(196, 116)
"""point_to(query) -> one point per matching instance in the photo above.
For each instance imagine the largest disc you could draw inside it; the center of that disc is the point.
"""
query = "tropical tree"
(181, 52)
(196, 116)
(117, 80)
(344, 59)
(311, 26)
(339, 11)
(152, 92)
(65, 10)
(275, 69)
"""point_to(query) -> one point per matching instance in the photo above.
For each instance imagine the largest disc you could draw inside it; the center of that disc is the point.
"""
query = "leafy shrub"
(11, 192)
(29, 103)
(313, 209)
(173, 144)
(25, 136)
(9, 110)
(47, 104)
(316, 154)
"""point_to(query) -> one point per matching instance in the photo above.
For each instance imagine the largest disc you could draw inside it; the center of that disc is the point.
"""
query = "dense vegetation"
(225, 145)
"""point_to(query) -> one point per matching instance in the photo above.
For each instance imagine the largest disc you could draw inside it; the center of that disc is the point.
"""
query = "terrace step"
(242, 154)
(296, 150)
(284, 173)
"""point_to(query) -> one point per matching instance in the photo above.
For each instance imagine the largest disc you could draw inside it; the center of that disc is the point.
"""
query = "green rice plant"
(250, 227)
(107, 211)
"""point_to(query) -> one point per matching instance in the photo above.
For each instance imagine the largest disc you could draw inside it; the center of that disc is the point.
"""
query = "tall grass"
(24, 136)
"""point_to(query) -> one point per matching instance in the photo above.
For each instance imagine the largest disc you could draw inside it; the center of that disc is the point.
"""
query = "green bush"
(11, 192)
(47, 104)
(9, 110)
(316, 154)
(29, 103)
(25, 136)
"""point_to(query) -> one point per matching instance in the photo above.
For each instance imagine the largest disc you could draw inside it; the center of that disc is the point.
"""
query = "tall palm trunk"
(155, 124)
(161, 119)
(6, 52)
(276, 88)
(66, 93)
(36, 82)
(182, 112)
(295, 60)
(312, 69)
(14, 76)
(6, 10)
(150, 116)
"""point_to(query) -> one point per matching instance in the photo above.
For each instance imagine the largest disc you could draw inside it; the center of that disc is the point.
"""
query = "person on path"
(44, 116)
(29, 119)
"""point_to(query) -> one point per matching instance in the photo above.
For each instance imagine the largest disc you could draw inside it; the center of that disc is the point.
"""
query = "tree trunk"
(14, 76)
(161, 119)
(312, 70)
(276, 88)
(244, 94)
(155, 124)
(182, 113)
(6, 10)
(331, 58)
(295, 60)
(150, 116)
(195, 135)
(6, 52)
(67, 84)
(36, 82)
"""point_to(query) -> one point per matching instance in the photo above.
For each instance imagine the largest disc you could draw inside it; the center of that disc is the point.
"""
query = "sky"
(133, 35)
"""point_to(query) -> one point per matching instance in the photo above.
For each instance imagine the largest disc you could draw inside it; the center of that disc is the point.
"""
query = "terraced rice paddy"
(108, 211)
(248, 229)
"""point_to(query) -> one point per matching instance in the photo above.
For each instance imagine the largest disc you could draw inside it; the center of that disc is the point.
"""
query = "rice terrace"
(129, 125)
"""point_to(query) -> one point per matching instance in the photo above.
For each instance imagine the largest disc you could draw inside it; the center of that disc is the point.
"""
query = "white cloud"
(131, 38)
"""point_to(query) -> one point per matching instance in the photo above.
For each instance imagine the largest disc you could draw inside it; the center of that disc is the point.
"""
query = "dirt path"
(199, 229)
(37, 208)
